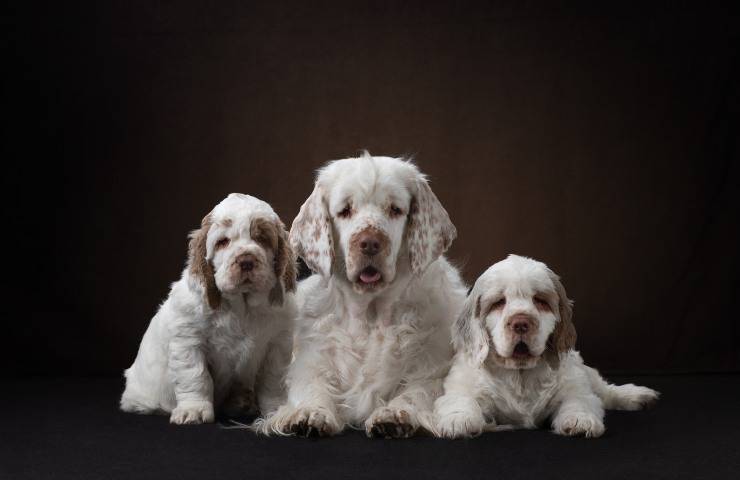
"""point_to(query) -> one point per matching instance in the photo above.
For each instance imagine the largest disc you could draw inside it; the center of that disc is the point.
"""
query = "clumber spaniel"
(515, 362)
(224, 334)
(373, 341)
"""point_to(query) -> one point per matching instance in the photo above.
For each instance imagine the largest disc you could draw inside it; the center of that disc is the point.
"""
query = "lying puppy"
(224, 334)
(373, 341)
(515, 362)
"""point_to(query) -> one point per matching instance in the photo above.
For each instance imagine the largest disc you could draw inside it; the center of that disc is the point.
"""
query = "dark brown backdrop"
(603, 142)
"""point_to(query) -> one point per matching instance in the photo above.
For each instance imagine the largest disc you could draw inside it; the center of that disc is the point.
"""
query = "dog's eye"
(346, 212)
(498, 304)
(541, 303)
(395, 211)
(224, 242)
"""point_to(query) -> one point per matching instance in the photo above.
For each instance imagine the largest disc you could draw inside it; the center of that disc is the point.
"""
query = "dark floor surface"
(71, 428)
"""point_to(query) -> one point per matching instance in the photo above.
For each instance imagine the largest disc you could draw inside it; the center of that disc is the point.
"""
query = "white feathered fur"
(370, 354)
(492, 381)
(223, 337)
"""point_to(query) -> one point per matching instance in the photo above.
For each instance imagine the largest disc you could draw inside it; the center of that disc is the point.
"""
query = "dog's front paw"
(578, 424)
(460, 424)
(389, 422)
(189, 413)
(310, 422)
(634, 397)
(458, 416)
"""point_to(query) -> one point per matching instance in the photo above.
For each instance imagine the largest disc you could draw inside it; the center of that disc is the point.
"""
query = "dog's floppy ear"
(311, 236)
(564, 336)
(469, 334)
(285, 268)
(430, 231)
(200, 267)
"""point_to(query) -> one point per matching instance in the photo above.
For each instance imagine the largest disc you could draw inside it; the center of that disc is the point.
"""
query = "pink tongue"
(366, 277)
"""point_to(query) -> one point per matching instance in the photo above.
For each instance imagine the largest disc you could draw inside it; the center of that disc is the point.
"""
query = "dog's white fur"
(373, 354)
(224, 334)
(493, 381)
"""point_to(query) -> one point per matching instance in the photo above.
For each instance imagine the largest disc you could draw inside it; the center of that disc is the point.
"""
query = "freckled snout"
(370, 242)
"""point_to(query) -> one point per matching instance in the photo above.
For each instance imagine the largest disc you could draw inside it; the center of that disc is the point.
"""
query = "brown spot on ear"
(429, 230)
(285, 267)
(477, 307)
(311, 236)
(200, 267)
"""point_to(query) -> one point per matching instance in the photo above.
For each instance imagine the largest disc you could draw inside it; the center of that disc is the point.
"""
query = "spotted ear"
(564, 336)
(285, 268)
(430, 231)
(469, 335)
(200, 267)
(311, 236)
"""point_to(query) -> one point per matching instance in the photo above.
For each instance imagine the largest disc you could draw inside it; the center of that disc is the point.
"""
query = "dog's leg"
(407, 412)
(270, 383)
(621, 397)
(580, 412)
(310, 409)
(457, 413)
(188, 370)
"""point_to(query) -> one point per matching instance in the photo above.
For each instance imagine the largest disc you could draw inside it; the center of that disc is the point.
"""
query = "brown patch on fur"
(200, 267)
(271, 234)
(564, 336)
(430, 231)
(310, 229)
(264, 232)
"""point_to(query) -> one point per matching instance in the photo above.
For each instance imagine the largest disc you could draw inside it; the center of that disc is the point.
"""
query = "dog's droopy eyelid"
(541, 301)
(346, 211)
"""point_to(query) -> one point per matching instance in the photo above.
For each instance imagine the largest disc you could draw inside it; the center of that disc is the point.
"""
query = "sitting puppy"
(224, 334)
(515, 362)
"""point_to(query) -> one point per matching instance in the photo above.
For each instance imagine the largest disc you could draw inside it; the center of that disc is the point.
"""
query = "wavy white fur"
(373, 340)
(515, 364)
(223, 338)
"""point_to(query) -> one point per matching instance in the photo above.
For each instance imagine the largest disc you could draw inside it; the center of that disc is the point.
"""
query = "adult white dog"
(224, 334)
(515, 362)
(373, 341)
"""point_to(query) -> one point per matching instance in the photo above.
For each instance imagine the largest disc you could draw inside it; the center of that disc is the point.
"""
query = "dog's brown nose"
(246, 262)
(369, 244)
(520, 326)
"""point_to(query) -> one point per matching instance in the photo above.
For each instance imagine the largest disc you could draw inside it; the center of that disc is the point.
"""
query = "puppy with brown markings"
(373, 330)
(515, 362)
(223, 337)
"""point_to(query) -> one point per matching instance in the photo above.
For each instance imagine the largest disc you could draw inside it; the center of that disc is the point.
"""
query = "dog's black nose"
(246, 262)
(246, 265)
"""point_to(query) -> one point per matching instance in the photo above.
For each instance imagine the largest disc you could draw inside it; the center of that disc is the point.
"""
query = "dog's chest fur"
(373, 360)
(521, 398)
(236, 342)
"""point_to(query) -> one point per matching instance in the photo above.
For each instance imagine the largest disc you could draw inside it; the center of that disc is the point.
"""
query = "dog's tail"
(621, 397)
